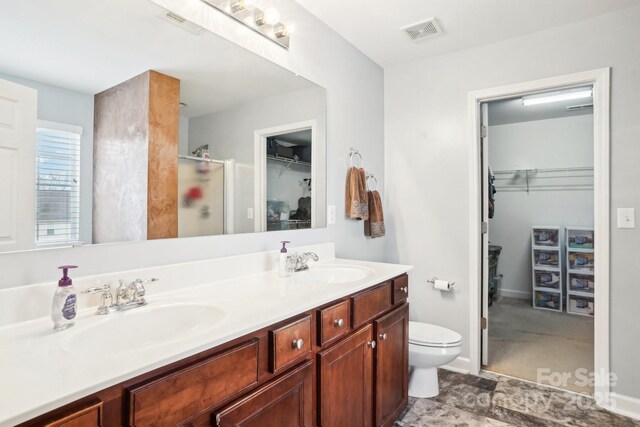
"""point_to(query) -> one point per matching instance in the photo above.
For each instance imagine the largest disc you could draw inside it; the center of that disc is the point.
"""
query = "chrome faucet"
(297, 262)
(128, 296)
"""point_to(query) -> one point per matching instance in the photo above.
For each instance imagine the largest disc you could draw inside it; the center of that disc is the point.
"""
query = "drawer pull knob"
(297, 344)
(338, 323)
(383, 336)
(405, 289)
(371, 344)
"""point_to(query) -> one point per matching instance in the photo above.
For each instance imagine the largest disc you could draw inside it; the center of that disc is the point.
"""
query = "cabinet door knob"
(297, 344)
(338, 323)
(383, 336)
(371, 344)
(405, 289)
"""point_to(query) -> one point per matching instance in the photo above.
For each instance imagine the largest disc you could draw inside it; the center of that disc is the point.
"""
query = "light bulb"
(272, 16)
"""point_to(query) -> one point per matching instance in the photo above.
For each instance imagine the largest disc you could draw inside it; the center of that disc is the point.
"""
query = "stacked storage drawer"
(580, 270)
(546, 263)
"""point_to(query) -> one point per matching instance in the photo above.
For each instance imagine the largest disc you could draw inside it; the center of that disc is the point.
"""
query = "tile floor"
(492, 400)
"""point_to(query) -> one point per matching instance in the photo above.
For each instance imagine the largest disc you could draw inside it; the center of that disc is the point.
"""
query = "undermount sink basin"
(145, 327)
(332, 274)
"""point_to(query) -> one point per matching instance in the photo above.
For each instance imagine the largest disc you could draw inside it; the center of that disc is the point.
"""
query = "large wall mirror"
(120, 121)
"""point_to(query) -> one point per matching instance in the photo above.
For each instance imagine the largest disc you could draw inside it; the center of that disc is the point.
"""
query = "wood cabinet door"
(346, 381)
(392, 365)
(89, 415)
(286, 401)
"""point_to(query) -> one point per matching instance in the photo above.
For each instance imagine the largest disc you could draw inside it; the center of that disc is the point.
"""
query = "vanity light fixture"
(265, 22)
(557, 97)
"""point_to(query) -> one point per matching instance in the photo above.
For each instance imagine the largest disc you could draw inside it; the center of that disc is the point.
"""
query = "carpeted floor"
(523, 339)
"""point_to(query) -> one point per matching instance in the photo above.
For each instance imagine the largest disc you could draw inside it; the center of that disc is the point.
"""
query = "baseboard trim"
(461, 365)
(624, 405)
(510, 293)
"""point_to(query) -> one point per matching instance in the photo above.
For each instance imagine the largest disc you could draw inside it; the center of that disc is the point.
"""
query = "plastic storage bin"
(546, 236)
(547, 300)
(579, 238)
(547, 279)
(580, 305)
(546, 258)
(581, 283)
(582, 261)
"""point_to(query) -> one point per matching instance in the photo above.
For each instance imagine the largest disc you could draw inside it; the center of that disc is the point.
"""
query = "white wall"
(355, 115)
(62, 105)
(427, 147)
(554, 143)
(183, 137)
(230, 135)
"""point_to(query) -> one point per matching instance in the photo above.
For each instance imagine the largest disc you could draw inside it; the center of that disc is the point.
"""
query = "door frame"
(600, 80)
(260, 169)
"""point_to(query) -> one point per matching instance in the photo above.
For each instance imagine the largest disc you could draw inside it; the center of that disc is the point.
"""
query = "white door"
(18, 121)
(484, 170)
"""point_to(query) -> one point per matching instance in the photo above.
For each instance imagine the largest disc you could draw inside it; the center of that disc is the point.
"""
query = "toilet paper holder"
(433, 282)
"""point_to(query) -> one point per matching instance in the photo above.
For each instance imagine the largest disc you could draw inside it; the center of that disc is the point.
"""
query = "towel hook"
(354, 152)
(373, 177)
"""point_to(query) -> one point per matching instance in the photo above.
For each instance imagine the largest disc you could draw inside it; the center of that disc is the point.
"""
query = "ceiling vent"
(179, 21)
(424, 30)
(580, 107)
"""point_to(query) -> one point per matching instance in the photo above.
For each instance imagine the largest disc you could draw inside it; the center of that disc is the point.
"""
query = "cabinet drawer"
(87, 416)
(400, 289)
(333, 322)
(368, 304)
(175, 397)
(286, 401)
(289, 343)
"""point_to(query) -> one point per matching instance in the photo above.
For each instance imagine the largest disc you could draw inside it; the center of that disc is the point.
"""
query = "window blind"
(57, 187)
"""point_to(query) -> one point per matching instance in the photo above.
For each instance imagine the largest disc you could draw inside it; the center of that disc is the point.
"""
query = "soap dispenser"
(64, 305)
(283, 271)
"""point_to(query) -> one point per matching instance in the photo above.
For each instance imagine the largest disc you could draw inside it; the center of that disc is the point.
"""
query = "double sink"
(163, 323)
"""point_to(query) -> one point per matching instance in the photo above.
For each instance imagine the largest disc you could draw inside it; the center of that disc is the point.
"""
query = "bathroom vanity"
(338, 356)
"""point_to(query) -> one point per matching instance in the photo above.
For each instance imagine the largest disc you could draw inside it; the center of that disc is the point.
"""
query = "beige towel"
(356, 203)
(374, 226)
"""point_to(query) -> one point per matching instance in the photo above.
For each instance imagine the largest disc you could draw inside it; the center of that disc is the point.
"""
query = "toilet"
(430, 346)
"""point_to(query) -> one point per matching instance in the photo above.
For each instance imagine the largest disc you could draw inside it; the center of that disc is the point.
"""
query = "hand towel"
(374, 226)
(356, 202)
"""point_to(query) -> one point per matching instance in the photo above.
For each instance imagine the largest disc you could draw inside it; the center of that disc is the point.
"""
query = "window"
(57, 184)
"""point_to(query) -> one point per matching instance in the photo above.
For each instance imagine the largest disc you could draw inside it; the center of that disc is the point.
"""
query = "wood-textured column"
(162, 190)
(135, 193)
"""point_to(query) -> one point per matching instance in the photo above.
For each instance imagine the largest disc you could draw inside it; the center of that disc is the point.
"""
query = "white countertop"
(39, 372)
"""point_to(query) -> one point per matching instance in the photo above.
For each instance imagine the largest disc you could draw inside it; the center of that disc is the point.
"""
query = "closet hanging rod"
(544, 170)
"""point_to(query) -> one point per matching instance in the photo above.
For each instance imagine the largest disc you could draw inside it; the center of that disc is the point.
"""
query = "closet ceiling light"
(557, 97)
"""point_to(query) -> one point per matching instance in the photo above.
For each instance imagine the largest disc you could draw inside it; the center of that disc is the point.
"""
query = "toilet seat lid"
(428, 335)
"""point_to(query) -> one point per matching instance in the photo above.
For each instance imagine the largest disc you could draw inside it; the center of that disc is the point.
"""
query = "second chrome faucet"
(128, 295)
(297, 262)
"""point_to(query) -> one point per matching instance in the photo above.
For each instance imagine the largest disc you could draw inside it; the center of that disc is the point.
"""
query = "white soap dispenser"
(64, 305)
(283, 271)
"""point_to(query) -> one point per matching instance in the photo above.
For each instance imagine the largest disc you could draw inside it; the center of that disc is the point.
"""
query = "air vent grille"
(424, 29)
(179, 21)
(579, 107)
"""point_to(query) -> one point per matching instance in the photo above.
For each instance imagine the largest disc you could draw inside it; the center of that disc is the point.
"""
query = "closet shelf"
(544, 179)
(288, 161)
(544, 170)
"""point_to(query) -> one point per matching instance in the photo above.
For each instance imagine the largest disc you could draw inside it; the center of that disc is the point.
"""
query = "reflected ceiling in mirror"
(121, 121)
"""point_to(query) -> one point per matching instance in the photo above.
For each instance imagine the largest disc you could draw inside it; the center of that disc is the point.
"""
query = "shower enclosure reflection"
(201, 197)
